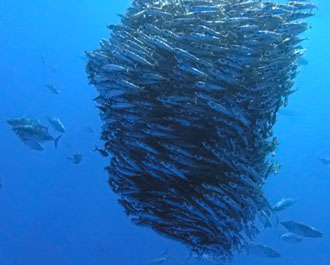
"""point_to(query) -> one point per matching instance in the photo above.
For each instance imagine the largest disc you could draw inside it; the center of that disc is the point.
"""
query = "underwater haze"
(54, 211)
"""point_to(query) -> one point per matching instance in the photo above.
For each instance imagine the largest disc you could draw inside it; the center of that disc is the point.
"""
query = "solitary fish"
(56, 124)
(263, 251)
(53, 89)
(75, 158)
(283, 204)
(160, 260)
(301, 229)
(325, 161)
(101, 151)
(89, 130)
(291, 238)
(166, 259)
(157, 261)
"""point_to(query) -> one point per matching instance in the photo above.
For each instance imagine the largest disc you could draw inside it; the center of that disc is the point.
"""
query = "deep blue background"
(54, 212)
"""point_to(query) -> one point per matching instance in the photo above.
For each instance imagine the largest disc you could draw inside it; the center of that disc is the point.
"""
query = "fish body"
(56, 124)
(25, 121)
(75, 158)
(34, 137)
(113, 68)
(263, 251)
(325, 161)
(187, 55)
(157, 261)
(136, 57)
(53, 89)
(302, 229)
(19, 121)
(190, 69)
(162, 43)
(291, 238)
(208, 86)
(283, 204)
(32, 133)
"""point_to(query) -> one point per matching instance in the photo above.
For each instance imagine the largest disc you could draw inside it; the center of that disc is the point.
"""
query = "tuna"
(301, 229)
(263, 251)
(291, 238)
(32, 133)
(56, 123)
(75, 158)
(283, 204)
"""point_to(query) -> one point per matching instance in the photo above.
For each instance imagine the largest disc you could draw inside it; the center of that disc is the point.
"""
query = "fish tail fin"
(56, 141)
(95, 148)
(165, 253)
(277, 221)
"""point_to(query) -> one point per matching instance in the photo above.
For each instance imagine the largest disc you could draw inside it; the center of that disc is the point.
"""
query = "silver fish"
(302, 229)
(291, 238)
(75, 158)
(53, 89)
(263, 251)
(283, 204)
(158, 261)
(113, 68)
(30, 135)
(56, 124)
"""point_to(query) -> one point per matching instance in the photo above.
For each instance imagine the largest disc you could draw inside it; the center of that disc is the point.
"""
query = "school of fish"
(188, 95)
(33, 133)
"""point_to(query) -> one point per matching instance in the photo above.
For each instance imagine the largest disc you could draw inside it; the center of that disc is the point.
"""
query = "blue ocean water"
(55, 212)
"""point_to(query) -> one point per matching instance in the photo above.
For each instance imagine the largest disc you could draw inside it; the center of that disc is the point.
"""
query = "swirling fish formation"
(188, 93)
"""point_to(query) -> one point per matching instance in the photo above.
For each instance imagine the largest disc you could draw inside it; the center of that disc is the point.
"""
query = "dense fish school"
(188, 93)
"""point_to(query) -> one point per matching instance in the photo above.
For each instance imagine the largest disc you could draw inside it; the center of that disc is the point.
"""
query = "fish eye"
(232, 184)
(239, 100)
(226, 198)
